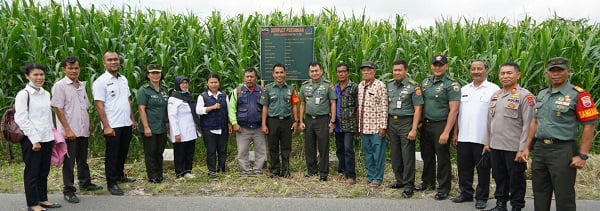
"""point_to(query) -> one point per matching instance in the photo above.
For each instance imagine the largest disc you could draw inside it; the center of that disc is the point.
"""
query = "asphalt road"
(107, 202)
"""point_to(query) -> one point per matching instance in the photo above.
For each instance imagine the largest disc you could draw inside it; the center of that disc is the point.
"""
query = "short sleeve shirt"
(279, 99)
(403, 96)
(114, 92)
(317, 96)
(509, 116)
(75, 104)
(156, 107)
(437, 93)
(555, 113)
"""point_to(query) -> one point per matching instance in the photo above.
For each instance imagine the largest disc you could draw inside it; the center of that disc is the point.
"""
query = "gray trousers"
(243, 139)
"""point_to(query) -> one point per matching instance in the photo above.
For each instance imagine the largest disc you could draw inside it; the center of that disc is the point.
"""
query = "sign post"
(292, 46)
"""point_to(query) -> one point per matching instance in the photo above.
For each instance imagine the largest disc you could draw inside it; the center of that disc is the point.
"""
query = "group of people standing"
(492, 127)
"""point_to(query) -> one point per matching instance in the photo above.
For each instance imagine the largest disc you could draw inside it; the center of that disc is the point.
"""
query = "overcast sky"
(416, 12)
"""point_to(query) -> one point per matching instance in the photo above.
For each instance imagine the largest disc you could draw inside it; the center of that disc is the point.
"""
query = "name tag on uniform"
(398, 104)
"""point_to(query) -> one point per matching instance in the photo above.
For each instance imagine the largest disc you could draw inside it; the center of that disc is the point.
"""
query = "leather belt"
(280, 117)
(316, 116)
(551, 140)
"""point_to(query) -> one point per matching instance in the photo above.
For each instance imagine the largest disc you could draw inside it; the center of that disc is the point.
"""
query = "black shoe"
(499, 207)
(408, 193)
(323, 179)
(515, 209)
(53, 205)
(71, 198)
(90, 187)
(481, 204)
(422, 187)
(396, 185)
(441, 196)
(116, 190)
(127, 179)
(462, 198)
(31, 209)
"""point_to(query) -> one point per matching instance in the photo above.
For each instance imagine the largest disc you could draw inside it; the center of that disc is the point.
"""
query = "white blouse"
(35, 121)
(181, 121)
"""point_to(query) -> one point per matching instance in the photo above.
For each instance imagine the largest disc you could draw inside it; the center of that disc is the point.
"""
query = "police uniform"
(278, 99)
(317, 97)
(556, 143)
(437, 93)
(403, 96)
(510, 113)
(154, 145)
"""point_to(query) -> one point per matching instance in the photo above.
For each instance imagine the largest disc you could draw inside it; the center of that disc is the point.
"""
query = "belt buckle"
(313, 117)
(548, 141)
(395, 117)
(280, 117)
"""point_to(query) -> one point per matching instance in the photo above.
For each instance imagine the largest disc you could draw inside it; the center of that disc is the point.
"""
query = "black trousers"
(509, 176)
(116, 151)
(402, 151)
(279, 140)
(78, 153)
(35, 175)
(183, 157)
(468, 157)
(316, 138)
(344, 142)
(154, 146)
(432, 149)
(216, 147)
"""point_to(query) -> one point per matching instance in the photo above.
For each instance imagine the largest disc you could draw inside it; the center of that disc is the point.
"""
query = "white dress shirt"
(114, 92)
(181, 121)
(473, 112)
(201, 110)
(36, 120)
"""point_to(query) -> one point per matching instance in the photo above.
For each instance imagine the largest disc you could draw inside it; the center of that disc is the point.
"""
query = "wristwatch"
(583, 156)
(332, 122)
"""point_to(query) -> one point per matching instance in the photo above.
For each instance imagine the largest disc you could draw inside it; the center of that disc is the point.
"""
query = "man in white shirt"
(472, 120)
(111, 98)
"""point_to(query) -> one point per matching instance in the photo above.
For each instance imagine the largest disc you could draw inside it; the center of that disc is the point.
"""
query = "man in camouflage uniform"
(560, 109)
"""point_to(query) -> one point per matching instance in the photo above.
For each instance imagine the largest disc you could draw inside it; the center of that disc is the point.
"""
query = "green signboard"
(292, 46)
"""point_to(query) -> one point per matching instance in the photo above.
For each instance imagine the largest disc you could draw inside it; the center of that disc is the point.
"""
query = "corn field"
(185, 44)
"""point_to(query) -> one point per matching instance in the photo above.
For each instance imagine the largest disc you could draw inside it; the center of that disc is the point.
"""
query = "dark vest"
(248, 108)
(215, 119)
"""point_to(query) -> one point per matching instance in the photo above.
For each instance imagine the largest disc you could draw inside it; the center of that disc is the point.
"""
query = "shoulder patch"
(578, 89)
(530, 99)
(146, 85)
(413, 82)
(327, 81)
(391, 80)
(305, 82)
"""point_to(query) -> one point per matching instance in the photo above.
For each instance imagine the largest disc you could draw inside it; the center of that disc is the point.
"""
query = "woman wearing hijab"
(212, 106)
(152, 104)
(34, 116)
(182, 122)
